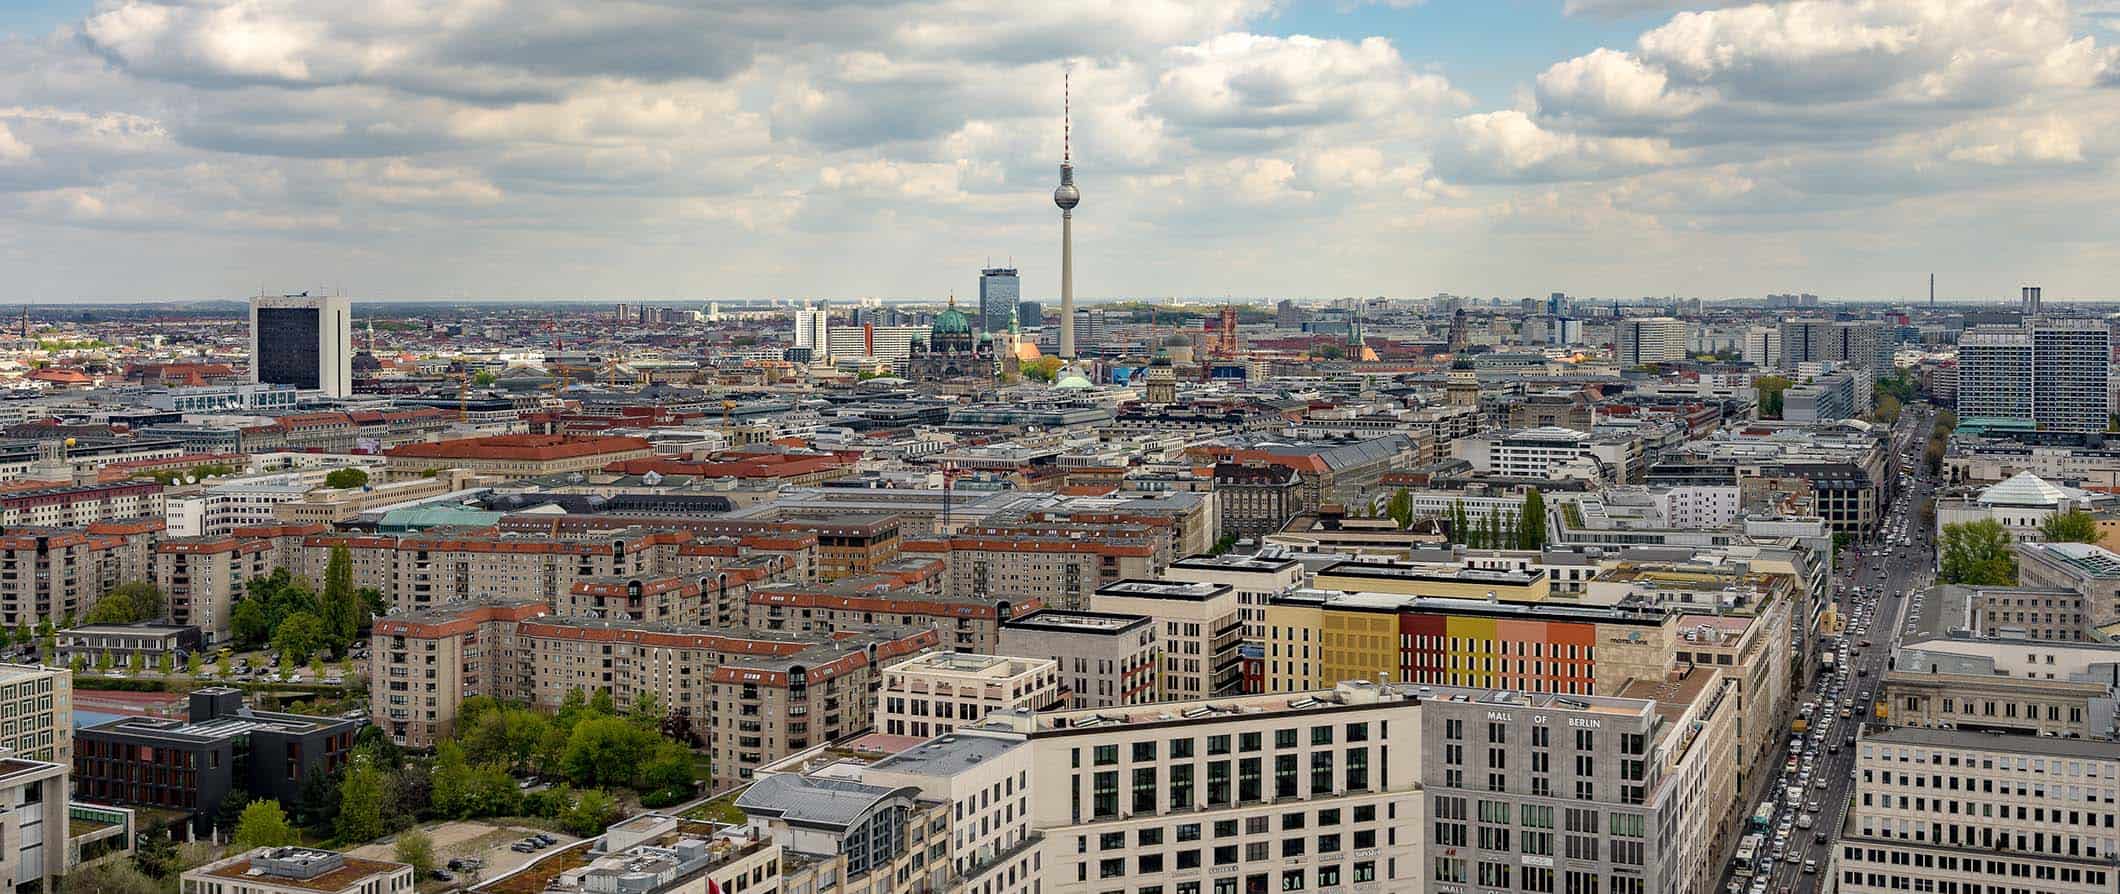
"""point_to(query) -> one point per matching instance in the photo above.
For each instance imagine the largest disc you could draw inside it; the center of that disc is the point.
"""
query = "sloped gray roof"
(814, 801)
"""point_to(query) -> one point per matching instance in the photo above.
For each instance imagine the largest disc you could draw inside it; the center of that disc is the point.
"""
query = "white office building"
(1651, 340)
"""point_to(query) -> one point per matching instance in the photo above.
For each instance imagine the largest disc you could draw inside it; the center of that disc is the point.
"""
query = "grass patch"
(720, 810)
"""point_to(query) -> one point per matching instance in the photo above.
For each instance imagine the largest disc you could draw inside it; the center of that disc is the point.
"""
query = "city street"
(1890, 576)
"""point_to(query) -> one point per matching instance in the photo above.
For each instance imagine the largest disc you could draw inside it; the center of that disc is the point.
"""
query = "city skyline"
(1628, 148)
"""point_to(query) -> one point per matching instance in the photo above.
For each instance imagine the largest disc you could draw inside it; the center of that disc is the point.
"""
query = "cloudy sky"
(709, 148)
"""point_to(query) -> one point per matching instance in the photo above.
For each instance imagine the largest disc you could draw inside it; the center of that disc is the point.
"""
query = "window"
(1149, 837)
(1107, 755)
(1292, 880)
(1284, 776)
(1181, 749)
(1144, 789)
(1217, 745)
(1321, 735)
(1284, 738)
(1111, 841)
(1365, 871)
(1181, 786)
(1144, 752)
(1104, 803)
(1112, 868)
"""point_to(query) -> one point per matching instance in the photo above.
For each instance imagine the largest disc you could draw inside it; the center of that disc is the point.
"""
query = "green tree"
(1978, 553)
(250, 624)
(1769, 389)
(668, 776)
(263, 824)
(646, 711)
(2073, 526)
(339, 605)
(591, 811)
(1460, 527)
(192, 663)
(606, 751)
(127, 603)
(108, 877)
(1043, 369)
(156, 854)
(298, 637)
(167, 664)
(1888, 409)
(364, 796)
(416, 850)
(346, 478)
(483, 378)
(371, 601)
(1400, 509)
(1531, 522)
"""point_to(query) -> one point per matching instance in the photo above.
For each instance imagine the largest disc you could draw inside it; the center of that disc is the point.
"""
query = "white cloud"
(1510, 145)
(1614, 84)
(12, 149)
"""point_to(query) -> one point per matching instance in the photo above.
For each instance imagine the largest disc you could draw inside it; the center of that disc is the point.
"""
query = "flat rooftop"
(1061, 621)
(2095, 749)
(1156, 589)
(947, 754)
(993, 667)
(346, 876)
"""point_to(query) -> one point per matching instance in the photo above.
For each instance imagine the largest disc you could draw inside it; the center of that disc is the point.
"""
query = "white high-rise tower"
(1067, 197)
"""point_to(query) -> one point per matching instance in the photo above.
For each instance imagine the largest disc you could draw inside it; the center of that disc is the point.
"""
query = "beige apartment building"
(426, 662)
(931, 694)
(1104, 659)
(416, 571)
(1288, 792)
(1062, 568)
(664, 600)
(966, 623)
(80, 505)
(52, 574)
(38, 703)
(203, 577)
(753, 697)
(1201, 626)
(1947, 811)
(1256, 581)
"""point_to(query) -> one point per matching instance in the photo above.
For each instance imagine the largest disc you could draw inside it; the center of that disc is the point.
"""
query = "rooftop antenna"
(1067, 94)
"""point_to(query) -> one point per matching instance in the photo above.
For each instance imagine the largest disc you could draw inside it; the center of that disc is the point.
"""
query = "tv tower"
(1067, 197)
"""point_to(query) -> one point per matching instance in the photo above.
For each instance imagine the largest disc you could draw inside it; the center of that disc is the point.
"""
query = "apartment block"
(1201, 628)
(1959, 812)
(1314, 635)
(424, 664)
(1105, 660)
(204, 577)
(666, 600)
(1629, 794)
(48, 575)
(1315, 791)
(1255, 579)
(77, 506)
(39, 704)
(753, 697)
(966, 623)
(1062, 568)
(935, 693)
